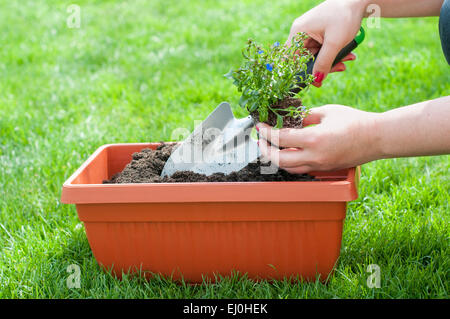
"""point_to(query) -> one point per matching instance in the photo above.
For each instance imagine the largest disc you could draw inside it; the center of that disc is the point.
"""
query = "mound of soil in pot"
(288, 121)
(147, 165)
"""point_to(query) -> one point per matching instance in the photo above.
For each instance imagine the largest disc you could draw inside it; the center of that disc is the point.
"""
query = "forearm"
(402, 8)
(415, 130)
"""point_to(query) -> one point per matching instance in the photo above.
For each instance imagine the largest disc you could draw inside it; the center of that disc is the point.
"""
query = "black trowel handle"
(342, 54)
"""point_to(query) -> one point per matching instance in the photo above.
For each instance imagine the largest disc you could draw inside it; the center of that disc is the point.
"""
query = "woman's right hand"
(331, 26)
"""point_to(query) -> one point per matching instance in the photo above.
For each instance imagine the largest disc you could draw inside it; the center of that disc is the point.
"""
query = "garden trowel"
(222, 143)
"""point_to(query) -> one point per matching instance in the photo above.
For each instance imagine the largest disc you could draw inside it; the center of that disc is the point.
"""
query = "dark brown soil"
(288, 121)
(147, 165)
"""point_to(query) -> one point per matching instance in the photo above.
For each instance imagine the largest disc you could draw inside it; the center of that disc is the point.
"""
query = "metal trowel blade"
(220, 144)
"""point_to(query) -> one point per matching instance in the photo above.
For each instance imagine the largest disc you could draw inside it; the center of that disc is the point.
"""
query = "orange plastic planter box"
(268, 230)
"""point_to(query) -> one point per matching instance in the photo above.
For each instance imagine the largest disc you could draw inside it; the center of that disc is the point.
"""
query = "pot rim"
(335, 186)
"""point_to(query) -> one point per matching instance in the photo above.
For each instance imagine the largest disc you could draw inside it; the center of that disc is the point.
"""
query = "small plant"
(268, 76)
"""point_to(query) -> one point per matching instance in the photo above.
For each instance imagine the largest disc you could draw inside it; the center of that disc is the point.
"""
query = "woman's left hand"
(343, 137)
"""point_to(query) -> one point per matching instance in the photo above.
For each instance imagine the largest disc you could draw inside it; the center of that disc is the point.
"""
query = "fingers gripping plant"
(269, 74)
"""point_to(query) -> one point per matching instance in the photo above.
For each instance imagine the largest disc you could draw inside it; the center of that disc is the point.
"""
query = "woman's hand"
(342, 138)
(346, 137)
(334, 23)
(331, 25)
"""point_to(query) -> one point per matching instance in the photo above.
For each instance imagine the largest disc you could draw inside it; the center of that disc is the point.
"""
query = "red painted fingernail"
(340, 70)
(257, 128)
(318, 77)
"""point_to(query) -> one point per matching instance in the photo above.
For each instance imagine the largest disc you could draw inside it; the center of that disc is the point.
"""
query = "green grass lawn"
(136, 70)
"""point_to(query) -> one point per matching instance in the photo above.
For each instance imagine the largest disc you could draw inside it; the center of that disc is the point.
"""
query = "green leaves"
(229, 75)
(243, 100)
(279, 121)
(268, 74)
(253, 107)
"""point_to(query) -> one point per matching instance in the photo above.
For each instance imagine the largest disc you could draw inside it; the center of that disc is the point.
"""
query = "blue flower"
(260, 52)
(276, 44)
(269, 66)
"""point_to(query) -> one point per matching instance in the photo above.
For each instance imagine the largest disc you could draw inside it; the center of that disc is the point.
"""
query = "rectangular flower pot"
(268, 230)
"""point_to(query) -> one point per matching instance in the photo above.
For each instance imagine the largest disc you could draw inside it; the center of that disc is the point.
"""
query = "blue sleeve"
(444, 29)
